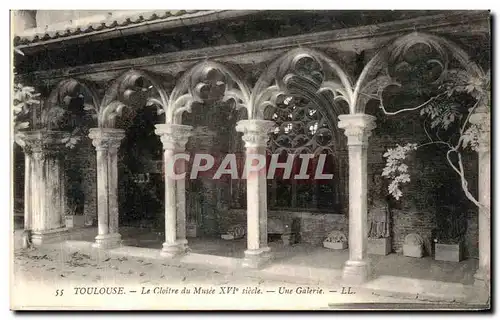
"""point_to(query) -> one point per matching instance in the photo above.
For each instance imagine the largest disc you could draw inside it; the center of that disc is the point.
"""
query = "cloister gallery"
(123, 92)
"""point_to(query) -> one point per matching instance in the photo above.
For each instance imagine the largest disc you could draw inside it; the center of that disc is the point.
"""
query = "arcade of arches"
(303, 101)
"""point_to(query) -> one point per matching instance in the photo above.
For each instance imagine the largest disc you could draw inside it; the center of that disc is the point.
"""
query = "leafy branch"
(445, 117)
(24, 99)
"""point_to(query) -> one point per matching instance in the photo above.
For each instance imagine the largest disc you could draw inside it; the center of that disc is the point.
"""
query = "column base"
(356, 272)
(107, 241)
(257, 258)
(481, 278)
(172, 250)
(481, 292)
(41, 237)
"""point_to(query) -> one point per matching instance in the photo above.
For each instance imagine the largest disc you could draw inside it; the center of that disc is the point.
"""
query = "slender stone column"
(107, 142)
(45, 202)
(174, 138)
(357, 128)
(481, 118)
(256, 135)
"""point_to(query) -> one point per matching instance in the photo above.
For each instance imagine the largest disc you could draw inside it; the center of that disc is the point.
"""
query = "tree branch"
(409, 109)
(461, 173)
(426, 132)
(435, 142)
(468, 117)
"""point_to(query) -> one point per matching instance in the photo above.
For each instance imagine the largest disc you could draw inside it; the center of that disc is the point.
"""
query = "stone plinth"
(448, 252)
(256, 259)
(49, 236)
(380, 246)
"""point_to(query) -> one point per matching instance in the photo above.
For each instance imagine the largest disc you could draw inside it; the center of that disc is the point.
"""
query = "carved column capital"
(482, 119)
(357, 128)
(106, 138)
(255, 132)
(174, 136)
(43, 143)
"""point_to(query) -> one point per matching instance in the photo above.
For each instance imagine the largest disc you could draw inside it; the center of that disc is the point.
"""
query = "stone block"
(415, 251)
(448, 252)
(191, 230)
(380, 246)
(74, 221)
(413, 246)
(335, 245)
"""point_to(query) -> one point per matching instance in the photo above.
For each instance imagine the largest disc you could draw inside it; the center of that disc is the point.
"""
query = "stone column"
(45, 201)
(107, 142)
(255, 136)
(357, 128)
(174, 138)
(481, 118)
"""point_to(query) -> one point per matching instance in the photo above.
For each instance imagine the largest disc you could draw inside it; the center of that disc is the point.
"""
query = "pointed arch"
(115, 98)
(199, 81)
(375, 76)
(56, 104)
(310, 72)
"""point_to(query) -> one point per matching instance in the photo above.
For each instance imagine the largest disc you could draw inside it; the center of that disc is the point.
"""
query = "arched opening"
(209, 198)
(79, 168)
(71, 108)
(141, 196)
(302, 131)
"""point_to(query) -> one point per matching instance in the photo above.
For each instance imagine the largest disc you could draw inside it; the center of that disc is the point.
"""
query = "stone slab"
(448, 252)
(335, 245)
(380, 246)
(76, 221)
(413, 251)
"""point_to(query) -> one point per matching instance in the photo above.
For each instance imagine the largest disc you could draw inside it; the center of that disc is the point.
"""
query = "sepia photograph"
(250, 160)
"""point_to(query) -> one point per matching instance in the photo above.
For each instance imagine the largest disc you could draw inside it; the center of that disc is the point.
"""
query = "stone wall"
(433, 184)
(311, 228)
(406, 222)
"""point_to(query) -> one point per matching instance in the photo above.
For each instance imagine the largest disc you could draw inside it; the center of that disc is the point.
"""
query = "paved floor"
(75, 263)
(38, 273)
(425, 268)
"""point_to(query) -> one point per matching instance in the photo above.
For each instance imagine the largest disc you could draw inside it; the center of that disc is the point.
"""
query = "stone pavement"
(66, 267)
